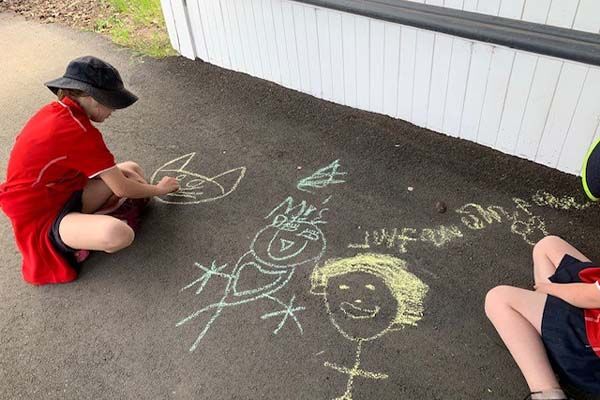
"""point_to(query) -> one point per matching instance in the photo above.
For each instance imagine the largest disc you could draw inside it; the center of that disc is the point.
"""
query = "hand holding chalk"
(168, 185)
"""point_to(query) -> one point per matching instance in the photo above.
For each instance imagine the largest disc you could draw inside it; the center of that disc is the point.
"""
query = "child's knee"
(117, 236)
(544, 244)
(497, 299)
(133, 166)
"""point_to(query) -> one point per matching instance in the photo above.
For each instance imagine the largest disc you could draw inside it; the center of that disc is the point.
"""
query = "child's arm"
(582, 295)
(121, 186)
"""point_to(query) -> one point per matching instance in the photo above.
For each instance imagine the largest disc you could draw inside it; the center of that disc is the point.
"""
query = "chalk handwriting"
(472, 216)
(193, 187)
(545, 199)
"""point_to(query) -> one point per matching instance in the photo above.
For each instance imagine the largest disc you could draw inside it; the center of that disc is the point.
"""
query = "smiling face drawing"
(288, 242)
(195, 188)
(369, 294)
(360, 305)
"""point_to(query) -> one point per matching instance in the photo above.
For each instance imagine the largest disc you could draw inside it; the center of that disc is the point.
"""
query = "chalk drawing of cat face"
(288, 242)
(193, 187)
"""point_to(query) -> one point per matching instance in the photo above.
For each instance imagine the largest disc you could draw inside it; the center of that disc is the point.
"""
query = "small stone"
(441, 207)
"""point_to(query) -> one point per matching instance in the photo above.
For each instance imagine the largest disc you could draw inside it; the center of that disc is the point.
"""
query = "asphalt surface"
(120, 331)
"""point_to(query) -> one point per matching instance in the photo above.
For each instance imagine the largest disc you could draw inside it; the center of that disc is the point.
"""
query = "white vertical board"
(481, 57)
(290, 44)
(562, 13)
(440, 71)
(489, 7)
(219, 24)
(170, 23)
(349, 51)
(423, 65)
(455, 4)
(211, 35)
(408, 49)
(325, 53)
(458, 77)
(232, 36)
(338, 68)
(301, 47)
(470, 5)
(512, 9)
(282, 43)
(248, 55)
(541, 94)
(501, 66)
(377, 63)
(271, 40)
(182, 27)
(565, 100)
(246, 19)
(362, 57)
(536, 11)
(391, 68)
(262, 40)
(566, 95)
(517, 95)
(312, 41)
(588, 16)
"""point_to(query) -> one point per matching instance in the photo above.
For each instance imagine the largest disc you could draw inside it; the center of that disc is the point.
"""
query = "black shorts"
(564, 335)
(74, 204)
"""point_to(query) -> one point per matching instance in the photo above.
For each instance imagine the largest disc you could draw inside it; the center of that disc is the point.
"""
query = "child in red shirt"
(60, 173)
(556, 328)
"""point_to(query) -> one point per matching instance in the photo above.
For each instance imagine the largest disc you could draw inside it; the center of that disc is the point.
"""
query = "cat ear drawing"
(195, 188)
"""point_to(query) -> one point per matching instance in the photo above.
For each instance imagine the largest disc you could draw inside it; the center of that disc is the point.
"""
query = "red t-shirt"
(54, 156)
(592, 316)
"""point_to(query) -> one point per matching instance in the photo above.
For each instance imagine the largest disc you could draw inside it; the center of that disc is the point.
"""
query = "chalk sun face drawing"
(360, 305)
(195, 188)
(367, 296)
(288, 242)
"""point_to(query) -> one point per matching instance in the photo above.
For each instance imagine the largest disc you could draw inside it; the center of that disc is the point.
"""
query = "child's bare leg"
(95, 232)
(547, 254)
(96, 193)
(517, 316)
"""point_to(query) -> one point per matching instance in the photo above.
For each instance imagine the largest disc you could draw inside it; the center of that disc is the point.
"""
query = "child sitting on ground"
(556, 327)
(60, 173)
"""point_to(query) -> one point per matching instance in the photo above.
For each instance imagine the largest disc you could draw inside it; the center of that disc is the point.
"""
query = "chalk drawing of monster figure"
(193, 187)
(292, 239)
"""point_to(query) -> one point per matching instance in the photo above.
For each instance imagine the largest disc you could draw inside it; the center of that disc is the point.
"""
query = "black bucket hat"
(97, 78)
(590, 172)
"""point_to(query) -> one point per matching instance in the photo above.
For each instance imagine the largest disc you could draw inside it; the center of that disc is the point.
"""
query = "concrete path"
(225, 297)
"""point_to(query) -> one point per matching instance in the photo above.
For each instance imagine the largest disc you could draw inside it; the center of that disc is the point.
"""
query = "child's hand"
(543, 287)
(168, 185)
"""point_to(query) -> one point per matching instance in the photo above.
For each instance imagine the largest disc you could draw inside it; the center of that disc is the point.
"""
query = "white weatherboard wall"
(536, 107)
